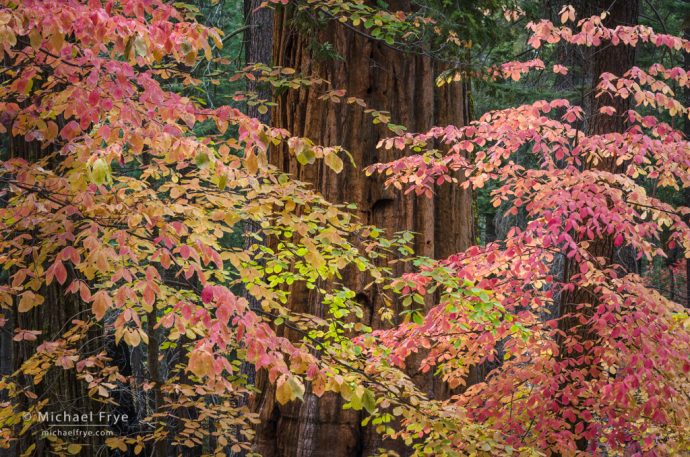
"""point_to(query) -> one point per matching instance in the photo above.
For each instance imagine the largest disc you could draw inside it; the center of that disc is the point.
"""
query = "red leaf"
(618, 241)
(207, 294)
(57, 271)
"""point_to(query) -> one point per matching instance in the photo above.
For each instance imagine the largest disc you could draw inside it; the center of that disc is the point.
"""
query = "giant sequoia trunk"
(576, 307)
(388, 80)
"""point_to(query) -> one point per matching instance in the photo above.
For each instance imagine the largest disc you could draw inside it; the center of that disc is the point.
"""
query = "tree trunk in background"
(61, 388)
(403, 85)
(616, 60)
(160, 448)
(258, 49)
(258, 45)
(6, 355)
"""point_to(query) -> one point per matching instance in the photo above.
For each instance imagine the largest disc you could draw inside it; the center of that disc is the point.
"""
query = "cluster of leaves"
(123, 207)
(612, 369)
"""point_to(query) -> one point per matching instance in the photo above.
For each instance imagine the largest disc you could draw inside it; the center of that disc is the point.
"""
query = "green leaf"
(100, 172)
(306, 156)
(222, 181)
(202, 159)
(369, 401)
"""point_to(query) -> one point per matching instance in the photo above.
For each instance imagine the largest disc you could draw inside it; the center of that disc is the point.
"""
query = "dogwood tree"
(589, 357)
(116, 217)
(115, 221)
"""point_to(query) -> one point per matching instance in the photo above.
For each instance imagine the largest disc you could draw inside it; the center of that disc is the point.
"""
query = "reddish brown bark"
(388, 80)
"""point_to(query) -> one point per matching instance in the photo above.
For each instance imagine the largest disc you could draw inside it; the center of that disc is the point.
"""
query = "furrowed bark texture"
(402, 84)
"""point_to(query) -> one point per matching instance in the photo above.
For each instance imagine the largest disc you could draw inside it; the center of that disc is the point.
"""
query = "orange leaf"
(101, 303)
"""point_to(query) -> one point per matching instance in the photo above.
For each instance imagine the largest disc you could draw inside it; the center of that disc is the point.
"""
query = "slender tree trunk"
(6, 361)
(403, 85)
(258, 49)
(160, 448)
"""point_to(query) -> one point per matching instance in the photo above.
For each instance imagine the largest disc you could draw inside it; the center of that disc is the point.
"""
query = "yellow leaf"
(296, 387)
(29, 451)
(313, 256)
(116, 443)
(334, 162)
(282, 392)
(137, 143)
(200, 363)
(132, 337)
(306, 156)
(57, 40)
(288, 389)
(74, 448)
(35, 38)
(100, 172)
(140, 46)
(346, 391)
(251, 163)
(29, 300)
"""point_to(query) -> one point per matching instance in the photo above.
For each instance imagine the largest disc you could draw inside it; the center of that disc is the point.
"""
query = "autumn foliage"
(119, 203)
(112, 197)
(618, 377)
